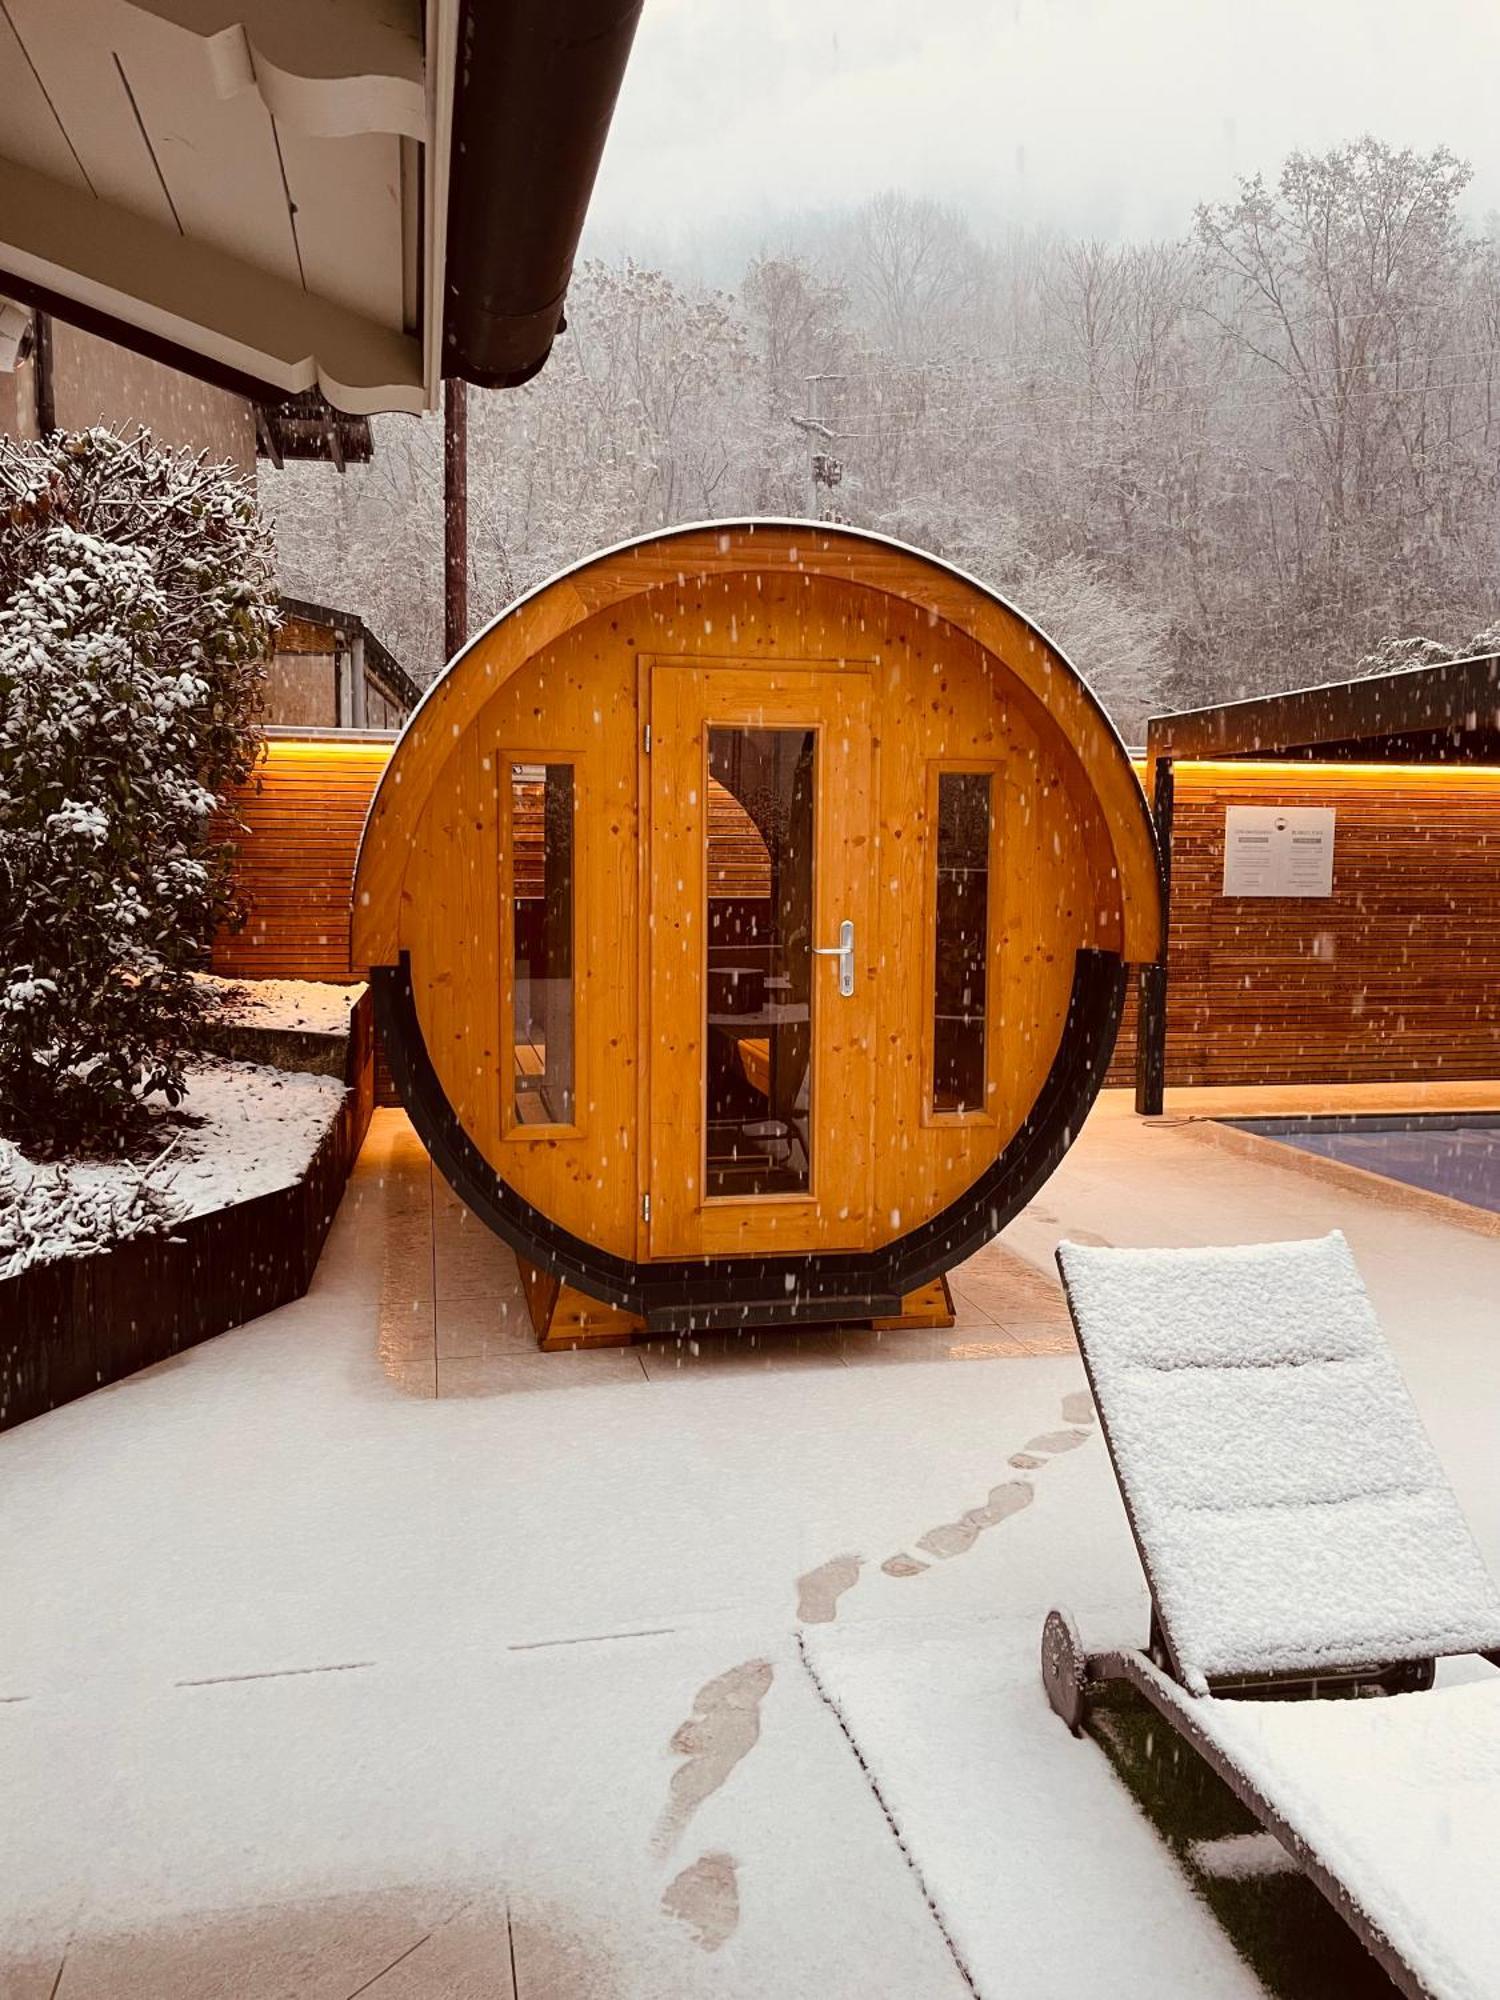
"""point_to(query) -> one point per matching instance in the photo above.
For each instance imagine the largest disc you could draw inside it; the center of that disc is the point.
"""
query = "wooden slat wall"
(303, 814)
(1396, 975)
(739, 863)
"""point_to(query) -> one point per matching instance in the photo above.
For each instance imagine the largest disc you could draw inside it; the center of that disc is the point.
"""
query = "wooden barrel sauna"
(748, 912)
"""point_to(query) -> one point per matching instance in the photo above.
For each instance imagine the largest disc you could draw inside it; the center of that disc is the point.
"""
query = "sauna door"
(760, 1007)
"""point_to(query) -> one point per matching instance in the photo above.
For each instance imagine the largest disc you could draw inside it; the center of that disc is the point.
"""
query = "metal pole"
(1151, 1014)
(455, 516)
(814, 385)
(357, 715)
(46, 400)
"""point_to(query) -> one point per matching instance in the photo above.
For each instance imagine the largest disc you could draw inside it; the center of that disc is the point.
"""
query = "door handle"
(843, 951)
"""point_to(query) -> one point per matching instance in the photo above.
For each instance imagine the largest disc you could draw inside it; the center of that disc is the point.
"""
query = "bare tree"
(1213, 467)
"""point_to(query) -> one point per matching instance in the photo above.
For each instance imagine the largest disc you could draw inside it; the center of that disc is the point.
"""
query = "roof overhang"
(1449, 713)
(350, 196)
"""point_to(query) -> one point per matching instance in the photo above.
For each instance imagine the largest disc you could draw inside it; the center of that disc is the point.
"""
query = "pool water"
(1453, 1153)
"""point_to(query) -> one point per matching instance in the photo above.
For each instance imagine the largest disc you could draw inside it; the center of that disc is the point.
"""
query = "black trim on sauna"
(686, 1294)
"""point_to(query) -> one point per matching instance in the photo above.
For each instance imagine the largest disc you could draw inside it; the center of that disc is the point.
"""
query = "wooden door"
(760, 1001)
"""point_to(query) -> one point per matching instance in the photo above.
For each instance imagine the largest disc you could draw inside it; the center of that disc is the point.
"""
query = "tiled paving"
(338, 1668)
(453, 1318)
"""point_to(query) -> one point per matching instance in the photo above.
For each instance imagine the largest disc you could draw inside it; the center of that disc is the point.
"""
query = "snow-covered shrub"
(1395, 656)
(58, 1211)
(136, 615)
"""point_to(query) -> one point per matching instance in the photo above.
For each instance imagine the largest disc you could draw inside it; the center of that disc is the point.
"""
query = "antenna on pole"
(823, 469)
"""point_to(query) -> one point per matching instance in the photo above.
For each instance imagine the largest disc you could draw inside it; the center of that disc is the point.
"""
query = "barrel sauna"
(749, 912)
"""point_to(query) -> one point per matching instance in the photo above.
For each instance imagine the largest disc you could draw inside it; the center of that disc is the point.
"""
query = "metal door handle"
(843, 951)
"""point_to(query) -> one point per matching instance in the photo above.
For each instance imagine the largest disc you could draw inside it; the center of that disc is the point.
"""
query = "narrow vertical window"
(963, 924)
(541, 823)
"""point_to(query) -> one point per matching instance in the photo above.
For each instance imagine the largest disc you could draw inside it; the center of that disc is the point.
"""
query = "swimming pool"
(1456, 1153)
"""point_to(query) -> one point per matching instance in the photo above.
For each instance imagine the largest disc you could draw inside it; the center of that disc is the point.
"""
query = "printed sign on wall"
(1278, 851)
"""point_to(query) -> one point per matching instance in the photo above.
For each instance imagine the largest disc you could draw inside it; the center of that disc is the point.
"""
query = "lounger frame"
(1074, 1679)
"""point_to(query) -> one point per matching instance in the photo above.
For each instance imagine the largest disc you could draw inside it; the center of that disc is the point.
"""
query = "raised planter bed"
(71, 1324)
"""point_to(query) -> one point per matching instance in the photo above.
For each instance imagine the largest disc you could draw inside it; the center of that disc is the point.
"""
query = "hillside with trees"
(1212, 467)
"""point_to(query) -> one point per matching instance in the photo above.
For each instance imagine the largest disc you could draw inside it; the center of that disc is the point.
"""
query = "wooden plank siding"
(1396, 976)
(302, 815)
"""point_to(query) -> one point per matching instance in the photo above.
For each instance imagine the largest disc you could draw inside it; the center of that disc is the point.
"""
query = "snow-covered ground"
(308, 1006)
(649, 1683)
(243, 1130)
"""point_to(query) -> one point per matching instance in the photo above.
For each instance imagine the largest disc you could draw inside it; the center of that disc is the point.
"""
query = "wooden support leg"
(566, 1318)
(541, 1290)
(929, 1305)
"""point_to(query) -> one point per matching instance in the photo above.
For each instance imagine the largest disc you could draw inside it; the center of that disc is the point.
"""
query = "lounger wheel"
(1063, 1670)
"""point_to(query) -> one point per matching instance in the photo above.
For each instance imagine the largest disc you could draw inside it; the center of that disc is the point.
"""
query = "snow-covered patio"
(336, 1664)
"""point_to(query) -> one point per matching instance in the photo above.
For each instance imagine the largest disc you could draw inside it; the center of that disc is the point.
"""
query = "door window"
(758, 1048)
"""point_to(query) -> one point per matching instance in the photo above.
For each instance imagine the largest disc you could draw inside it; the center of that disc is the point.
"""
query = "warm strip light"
(1281, 769)
(318, 746)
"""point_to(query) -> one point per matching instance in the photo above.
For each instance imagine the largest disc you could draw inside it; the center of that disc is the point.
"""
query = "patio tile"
(518, 1374)
(466, 1958)
(469, 1263)
(32, 1977)
(408, 1943)
(740, 1353)
(406, 1314)
(472, 1325)
(1043, 1336)
(1006, 1284)
(413, 1375)
(984, 1342)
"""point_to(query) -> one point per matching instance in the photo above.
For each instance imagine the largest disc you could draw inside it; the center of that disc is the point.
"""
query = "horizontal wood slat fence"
(302, 815)
(1395, 976)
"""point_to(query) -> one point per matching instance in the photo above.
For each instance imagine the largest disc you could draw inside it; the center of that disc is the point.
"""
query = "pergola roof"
(1442, 714)
(352, 196)
(348, 625)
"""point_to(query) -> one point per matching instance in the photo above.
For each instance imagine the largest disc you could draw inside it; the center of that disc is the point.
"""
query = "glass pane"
(541, 822)
(963, 913)
(760, 908)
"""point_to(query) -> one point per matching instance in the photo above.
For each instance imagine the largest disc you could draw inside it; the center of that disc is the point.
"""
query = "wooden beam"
(151, 287)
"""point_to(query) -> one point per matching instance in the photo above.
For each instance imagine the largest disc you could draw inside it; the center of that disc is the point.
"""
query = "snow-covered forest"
(1209, 467)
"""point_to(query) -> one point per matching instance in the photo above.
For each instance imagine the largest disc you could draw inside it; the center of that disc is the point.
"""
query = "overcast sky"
(1100, 117)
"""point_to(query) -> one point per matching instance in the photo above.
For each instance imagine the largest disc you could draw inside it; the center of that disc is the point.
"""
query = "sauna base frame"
(566, 1318)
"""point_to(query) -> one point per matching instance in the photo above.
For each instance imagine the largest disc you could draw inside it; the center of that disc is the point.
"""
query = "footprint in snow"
(706, 1897)
(1048, 1445)
(818, 1592)
(723, 1728)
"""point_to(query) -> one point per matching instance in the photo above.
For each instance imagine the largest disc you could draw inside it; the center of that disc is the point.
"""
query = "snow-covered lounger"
(1300, 1542)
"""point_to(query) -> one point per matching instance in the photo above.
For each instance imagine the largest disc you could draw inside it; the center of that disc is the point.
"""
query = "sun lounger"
(1301, 1544)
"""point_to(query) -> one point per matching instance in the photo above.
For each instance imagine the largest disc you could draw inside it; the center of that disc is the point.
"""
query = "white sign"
(1278, 851)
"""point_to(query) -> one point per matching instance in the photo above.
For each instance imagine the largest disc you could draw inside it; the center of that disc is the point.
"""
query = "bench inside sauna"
(749, 912)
